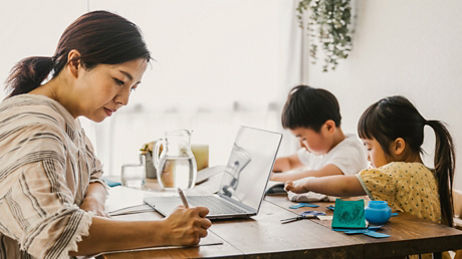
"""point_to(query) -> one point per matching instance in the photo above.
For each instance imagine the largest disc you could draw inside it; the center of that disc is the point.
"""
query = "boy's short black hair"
(310, 107)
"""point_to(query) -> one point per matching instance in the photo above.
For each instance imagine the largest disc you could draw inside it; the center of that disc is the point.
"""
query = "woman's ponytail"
(444, 169)
(100, 37)
(28, 74)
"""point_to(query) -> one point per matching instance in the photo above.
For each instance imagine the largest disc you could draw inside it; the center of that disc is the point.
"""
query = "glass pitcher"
(176, 165)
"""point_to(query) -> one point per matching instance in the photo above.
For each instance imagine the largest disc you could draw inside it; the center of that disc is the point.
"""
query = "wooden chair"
(457, 196)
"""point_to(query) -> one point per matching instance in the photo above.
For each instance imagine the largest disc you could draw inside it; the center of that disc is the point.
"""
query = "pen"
(183, 198)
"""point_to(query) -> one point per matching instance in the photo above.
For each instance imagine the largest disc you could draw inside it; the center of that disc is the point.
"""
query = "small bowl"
(377, 212)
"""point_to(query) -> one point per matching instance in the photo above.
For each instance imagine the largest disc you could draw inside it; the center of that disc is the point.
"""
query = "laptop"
(243, 182)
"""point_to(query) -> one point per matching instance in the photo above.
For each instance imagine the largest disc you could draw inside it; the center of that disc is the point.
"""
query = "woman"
(51, 194)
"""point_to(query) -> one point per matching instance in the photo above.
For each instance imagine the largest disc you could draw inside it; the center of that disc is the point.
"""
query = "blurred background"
(220, 64)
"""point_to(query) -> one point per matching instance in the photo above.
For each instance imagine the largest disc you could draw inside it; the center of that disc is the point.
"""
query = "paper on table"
(209, 240)
(131, 210)
(121, 197)
(321, 217)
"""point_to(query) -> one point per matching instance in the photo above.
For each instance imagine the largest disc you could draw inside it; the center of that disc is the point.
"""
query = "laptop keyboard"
(215, 205)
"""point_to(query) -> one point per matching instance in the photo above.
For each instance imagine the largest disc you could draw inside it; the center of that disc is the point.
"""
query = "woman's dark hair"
(101, 37)
(310, 107)
(395, 117)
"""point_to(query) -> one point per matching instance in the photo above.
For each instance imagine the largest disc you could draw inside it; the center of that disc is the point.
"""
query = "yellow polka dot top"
(407, 187)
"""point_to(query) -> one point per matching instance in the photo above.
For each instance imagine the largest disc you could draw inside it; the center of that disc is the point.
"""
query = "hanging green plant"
(329, 26)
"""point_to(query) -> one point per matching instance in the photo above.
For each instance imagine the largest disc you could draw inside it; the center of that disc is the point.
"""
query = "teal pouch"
(349, 214)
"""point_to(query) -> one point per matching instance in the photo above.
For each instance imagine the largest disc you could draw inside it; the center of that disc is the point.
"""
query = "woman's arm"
(337, 185)
(94, 199)
(183, 227)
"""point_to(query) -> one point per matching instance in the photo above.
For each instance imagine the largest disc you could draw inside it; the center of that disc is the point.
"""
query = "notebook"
(244, 178)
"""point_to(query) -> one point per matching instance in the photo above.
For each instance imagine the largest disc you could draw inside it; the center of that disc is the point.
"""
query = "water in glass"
(176, 165)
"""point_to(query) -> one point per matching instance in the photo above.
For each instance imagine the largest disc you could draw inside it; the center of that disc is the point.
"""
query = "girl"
(51, 193)
(392, 131)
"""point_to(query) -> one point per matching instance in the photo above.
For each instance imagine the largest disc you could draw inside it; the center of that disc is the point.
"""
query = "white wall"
(32, 28)
(210, 55)
(412, 48)
(218, 65)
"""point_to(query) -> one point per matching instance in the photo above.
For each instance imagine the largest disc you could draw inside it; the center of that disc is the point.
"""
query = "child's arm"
(327, 170)
(337, 185)
(286, 163)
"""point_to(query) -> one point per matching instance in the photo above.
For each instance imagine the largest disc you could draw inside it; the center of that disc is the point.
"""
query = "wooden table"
(263, 236)
(409, 235)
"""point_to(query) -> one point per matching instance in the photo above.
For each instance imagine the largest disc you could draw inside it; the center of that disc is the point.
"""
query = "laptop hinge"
(237, 203)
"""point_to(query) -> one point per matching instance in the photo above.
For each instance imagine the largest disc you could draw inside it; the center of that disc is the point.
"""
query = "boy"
(313, 116)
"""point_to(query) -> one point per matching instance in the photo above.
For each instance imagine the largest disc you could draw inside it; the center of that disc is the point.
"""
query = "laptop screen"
(249, 165)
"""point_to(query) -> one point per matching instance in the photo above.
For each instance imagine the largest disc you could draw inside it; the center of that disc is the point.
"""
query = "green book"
(349, 214)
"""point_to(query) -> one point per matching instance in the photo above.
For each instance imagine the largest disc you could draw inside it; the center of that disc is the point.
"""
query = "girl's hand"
(93, 205)
(187, 226)
(299, 186)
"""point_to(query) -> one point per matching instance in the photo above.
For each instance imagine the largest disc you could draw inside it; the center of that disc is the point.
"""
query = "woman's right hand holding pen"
(187, 226)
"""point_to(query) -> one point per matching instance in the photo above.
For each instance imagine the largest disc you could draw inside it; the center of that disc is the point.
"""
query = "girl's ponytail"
(444, 169)
(28, 74)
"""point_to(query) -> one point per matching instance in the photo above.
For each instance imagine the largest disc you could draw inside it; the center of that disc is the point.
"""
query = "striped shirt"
(46, 165)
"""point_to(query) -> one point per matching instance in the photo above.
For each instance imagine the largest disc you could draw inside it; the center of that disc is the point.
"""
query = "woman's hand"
(187, 226)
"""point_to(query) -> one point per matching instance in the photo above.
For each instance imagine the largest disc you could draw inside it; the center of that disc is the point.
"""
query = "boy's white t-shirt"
(349, 156)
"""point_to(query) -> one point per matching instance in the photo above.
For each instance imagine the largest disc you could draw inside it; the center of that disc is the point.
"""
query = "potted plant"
(328, 26)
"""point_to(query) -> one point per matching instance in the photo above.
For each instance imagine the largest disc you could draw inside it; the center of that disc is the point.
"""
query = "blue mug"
(377, 212)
